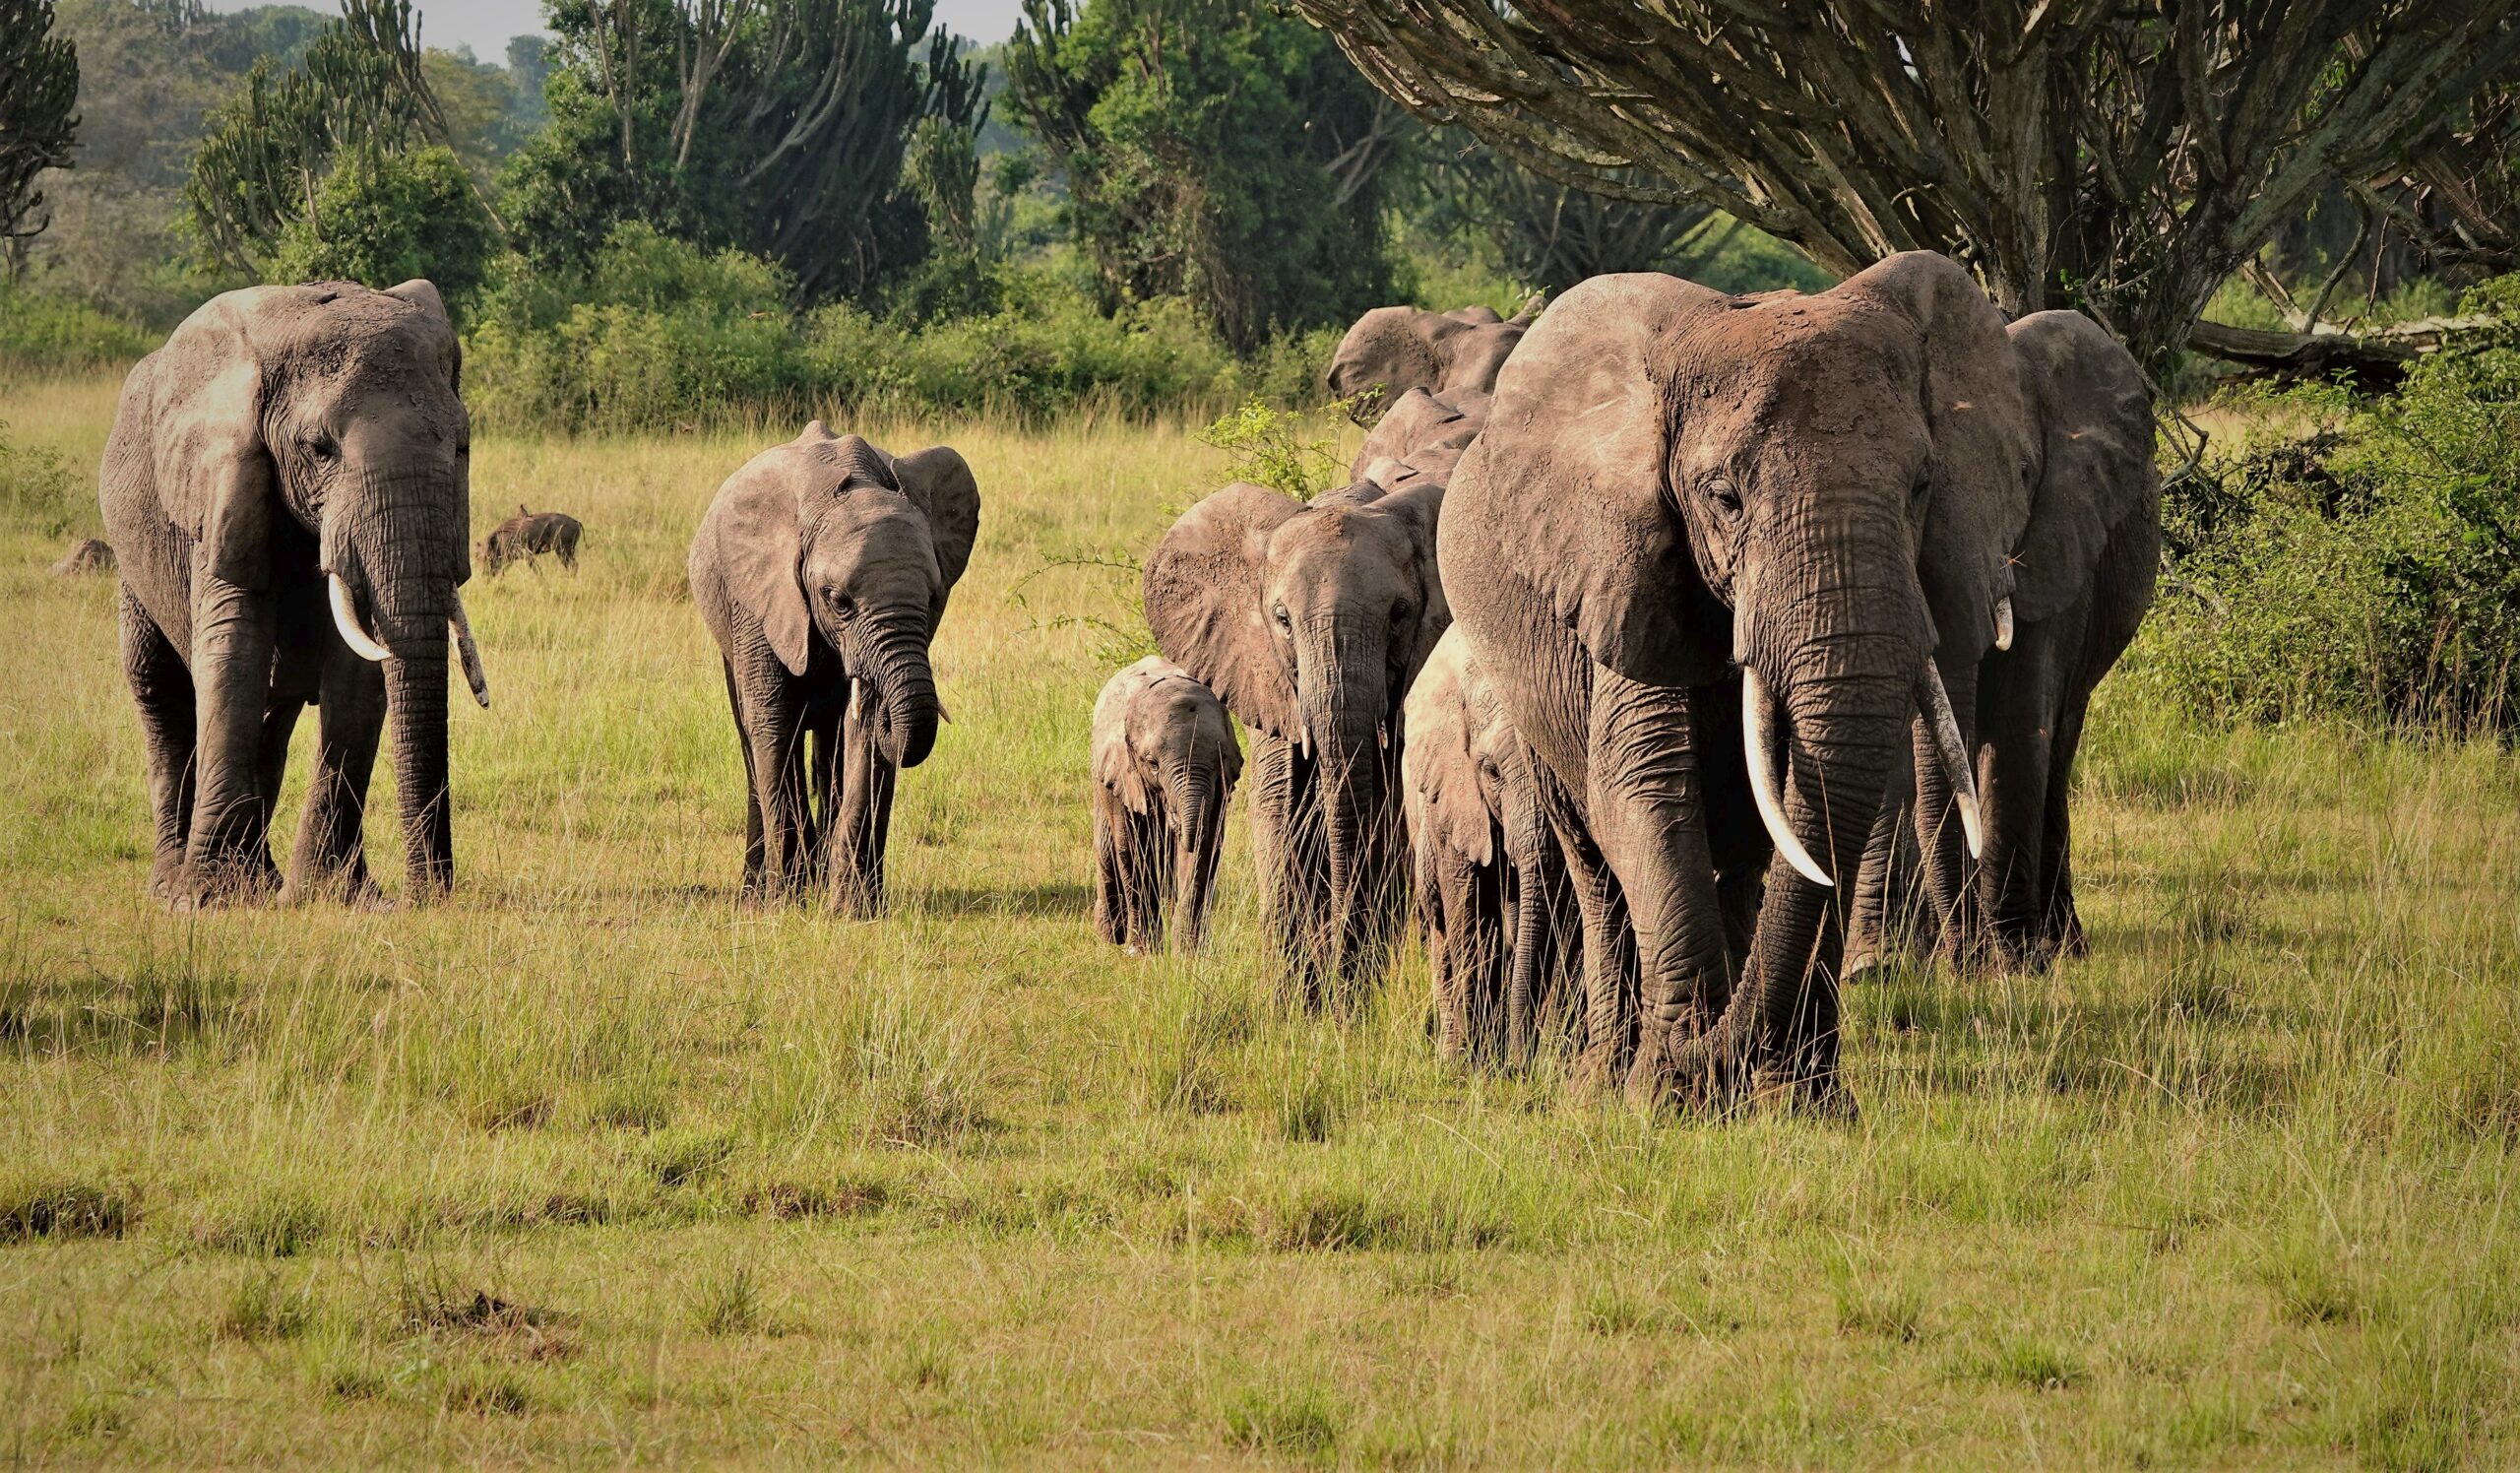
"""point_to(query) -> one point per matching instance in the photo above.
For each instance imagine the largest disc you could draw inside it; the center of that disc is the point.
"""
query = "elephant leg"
(1874, 923)
(1290, 854)
(1605, 1028)
(2016, 727)
(1648, 806)
(330, 857)
(1737, 841)
(2060, 924)
(865, 818)
(1154, 889)
(754, 862)
(1110, 870)
(163, 688)
(1486, 960)
(234, 634)
(773, 731)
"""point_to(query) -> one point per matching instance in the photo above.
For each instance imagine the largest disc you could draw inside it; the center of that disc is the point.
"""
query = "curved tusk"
(465, 649)
(2003, 622)
(1756, 717)
(1954, 753)
(346, 618)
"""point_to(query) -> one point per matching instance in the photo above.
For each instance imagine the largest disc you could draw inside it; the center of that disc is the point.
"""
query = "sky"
(486, 24)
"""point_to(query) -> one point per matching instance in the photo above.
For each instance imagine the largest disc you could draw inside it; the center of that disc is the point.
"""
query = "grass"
(594, 1164)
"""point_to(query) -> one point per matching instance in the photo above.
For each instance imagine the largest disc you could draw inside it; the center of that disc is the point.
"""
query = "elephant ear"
(1416, 509)
(1115, 767)
(2096, 418)
(1436, 755)
(755, 522)
(1203, 593)
(1983, 441)
(422, 292)
(213, 473)
(942, 484)
(1562, 496)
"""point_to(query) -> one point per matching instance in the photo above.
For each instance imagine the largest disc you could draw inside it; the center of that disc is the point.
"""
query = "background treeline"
(676, 212)
(673, 213)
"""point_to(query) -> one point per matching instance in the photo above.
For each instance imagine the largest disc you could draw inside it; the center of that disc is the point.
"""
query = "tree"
(1215, 149)
(1551, 236)
(381, 217)
(2120, 156)
(38, 118)
(776, 126)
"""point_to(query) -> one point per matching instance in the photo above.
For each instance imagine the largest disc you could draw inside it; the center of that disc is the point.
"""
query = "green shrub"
(2355, 557)
(41, 331)
(383, 219)
(38, 493)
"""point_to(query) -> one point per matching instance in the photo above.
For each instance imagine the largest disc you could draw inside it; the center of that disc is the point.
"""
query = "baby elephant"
(1165, 765)
(527, 536)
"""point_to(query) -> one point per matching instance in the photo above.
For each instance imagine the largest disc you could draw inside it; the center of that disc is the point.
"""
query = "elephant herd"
(1682, 652)
(1671, 657)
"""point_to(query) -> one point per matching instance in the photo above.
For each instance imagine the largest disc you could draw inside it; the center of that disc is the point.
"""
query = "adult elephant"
(1393, 349)
(1309, 621)
(1490, 885)
(1682, 498)
(1419, 439)
(292, 450)
(822, 569)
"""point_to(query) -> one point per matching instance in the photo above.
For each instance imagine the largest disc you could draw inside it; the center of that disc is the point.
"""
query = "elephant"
(822, 568)
(528, 535)
(1166, 761)
(1420, 437)
(1781, 525)
(286, 489)
(1490, 885)
(1309, 621)
(90, 555)
(1393, 349)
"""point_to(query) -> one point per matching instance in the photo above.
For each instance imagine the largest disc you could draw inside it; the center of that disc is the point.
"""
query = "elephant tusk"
(1757, 746)
(1954, 753)
(346, 618)
(2003, 622)
(467, 650)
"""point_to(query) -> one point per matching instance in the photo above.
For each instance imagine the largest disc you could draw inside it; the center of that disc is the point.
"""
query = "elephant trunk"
(1197, 824)
(1345, 706)
(893, 654)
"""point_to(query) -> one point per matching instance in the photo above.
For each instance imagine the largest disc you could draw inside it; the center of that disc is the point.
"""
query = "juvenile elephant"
(1309, 621)
(1682, 500)
(1419, 439)
(1491, 892)
(287, 491)
(1394, 349)
(822, 569)
(1164, 764)
(528, 535)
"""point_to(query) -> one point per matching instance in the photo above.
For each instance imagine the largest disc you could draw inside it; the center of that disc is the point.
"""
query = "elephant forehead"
(1802, 366)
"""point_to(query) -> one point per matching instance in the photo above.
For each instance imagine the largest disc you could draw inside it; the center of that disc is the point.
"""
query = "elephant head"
(1163, 745)
(829, 539)
(1394, 349)
(2096, 465)
(1309, 621)
(1454, 838)
(338, 408)
(1419, 437)
(1822, 490)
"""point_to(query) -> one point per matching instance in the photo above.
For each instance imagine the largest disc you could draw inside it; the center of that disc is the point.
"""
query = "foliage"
(37, 492)
(2360, 557)
(779, 129)
(361, 86)
(41, 330)
(1277, 448)
(381, 217)
(1214, 150)
(2121, 158)
(38, 117)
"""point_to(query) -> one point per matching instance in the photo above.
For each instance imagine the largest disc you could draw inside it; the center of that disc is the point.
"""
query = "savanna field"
(594, 1164)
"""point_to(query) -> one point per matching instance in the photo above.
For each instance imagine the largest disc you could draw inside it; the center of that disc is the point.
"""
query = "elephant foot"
(211, 884)
(346, 882)
(167, 876)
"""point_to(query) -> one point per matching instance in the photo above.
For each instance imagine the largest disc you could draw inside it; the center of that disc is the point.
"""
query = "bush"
(40, 331)
(383, 219)
(39, 493)
(664, 334)
(2358, 559)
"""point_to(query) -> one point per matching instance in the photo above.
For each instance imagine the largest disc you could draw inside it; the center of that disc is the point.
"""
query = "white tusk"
(464, 648)
(346, 618)
(1756, 721)
(1954, 753)
(2003, 622)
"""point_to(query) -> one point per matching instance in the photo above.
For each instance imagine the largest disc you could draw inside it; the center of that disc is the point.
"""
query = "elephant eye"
(321, 446)
(1280, 614)
(1726, 493)
(841, 602)
(1399, 612)
(1925, 484)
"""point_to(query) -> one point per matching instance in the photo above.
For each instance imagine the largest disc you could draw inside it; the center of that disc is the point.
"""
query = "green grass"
(594, 1164)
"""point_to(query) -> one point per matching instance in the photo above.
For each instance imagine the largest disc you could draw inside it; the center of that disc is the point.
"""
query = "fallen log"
(2375, 359)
